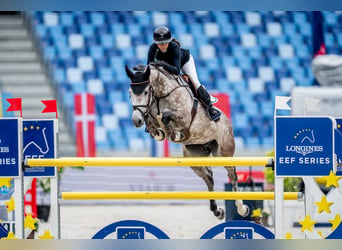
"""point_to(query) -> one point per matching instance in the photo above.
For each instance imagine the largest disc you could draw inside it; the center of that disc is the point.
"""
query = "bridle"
(148, 104)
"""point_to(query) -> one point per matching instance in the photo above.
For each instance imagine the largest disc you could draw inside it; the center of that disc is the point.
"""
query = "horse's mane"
(169, 75)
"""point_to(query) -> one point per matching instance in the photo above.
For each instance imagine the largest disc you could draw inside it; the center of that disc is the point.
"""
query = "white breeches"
(189, 68)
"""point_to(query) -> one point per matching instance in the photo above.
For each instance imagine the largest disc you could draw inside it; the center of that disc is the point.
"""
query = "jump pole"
(151, 161)
(180, 195)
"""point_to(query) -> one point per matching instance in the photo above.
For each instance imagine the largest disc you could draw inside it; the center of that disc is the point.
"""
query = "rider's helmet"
(162, 35)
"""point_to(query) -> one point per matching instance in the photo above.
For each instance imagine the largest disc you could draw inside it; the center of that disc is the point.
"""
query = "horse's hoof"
(160, 136)
(244, 212)
(221, 214)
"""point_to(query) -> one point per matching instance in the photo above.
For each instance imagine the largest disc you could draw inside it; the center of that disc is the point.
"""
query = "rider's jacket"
(174, 56)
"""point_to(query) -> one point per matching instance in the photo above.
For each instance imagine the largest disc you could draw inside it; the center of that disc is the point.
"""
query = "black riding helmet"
(162, 35)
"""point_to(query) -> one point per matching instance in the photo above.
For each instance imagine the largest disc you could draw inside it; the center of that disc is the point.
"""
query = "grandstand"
(251, 56)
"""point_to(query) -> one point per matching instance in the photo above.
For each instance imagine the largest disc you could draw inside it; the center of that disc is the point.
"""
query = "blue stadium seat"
(290, 29)
(240, 121)
(67, 18)
(91, 41)
(255, 52)
(134, 29)
(49, 52)
(102, 105)
(106, 74)
(299, 17)
(96, 52)
(264, 40)
(59, 75)
(256, 85)
(87, 30)
(50, 18)
(97, 18)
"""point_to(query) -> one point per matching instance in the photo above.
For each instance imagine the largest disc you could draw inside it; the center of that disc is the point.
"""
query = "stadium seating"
(252, 56)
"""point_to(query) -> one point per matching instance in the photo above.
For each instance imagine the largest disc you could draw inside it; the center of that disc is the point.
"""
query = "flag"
(318, 34)
(15, 105)
(85, 125)
(223, 103)
(50, 106)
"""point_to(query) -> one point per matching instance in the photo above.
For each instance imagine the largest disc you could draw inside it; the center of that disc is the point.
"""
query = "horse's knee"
(166, 117)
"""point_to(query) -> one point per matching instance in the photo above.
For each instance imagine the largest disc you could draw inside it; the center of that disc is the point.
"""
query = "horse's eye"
(145, 92)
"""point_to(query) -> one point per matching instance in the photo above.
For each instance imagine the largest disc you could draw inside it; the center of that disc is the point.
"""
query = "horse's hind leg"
(205, 173)
(242, 209)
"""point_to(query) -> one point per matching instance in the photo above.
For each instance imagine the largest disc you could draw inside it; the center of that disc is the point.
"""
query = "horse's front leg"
(169, 119)
(156, 133)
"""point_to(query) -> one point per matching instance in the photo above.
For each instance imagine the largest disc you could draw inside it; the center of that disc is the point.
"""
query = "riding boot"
(204, 96)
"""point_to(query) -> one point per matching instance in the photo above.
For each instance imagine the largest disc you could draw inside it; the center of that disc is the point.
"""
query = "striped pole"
(150, 161)
(176, 195)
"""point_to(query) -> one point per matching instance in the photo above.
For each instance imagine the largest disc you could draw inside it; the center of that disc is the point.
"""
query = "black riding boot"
(204, 96)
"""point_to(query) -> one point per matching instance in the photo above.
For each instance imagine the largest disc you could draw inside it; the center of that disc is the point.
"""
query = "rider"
(167, 52)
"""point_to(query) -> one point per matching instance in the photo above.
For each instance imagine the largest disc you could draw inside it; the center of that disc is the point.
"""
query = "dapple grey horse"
(166, 105)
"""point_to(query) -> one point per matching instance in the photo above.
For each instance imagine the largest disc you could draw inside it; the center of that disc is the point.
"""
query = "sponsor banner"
(39, 140)
(10, 160)
(304, 146)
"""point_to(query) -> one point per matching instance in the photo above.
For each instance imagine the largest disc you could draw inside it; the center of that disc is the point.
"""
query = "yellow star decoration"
(256, 212)
(307, 224)
(335, 222)
(10, 236)
(5, 182)
(288, 236)
(29, 222)
(10, 205)
(46, 236)
(332, 180)
(324, 205)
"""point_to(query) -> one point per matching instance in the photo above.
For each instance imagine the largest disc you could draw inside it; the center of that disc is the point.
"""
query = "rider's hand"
(161, 63)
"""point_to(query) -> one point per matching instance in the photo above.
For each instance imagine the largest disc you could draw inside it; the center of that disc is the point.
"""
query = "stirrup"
(213, 99)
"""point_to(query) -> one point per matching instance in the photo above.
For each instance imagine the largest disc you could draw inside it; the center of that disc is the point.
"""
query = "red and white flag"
(85, 125)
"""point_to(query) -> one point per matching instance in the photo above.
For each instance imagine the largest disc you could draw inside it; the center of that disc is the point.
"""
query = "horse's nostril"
(140, 122)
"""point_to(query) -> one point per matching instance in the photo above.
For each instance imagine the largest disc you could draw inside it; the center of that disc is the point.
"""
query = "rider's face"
(163, 46)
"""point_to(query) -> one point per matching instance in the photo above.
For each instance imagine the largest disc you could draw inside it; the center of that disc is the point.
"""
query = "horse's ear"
(147, 72)
(129, 72)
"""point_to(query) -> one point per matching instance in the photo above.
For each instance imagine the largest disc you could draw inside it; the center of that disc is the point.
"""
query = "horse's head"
(140, 92)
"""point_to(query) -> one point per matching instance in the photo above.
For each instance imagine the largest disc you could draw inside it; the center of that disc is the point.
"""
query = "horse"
(167, 106)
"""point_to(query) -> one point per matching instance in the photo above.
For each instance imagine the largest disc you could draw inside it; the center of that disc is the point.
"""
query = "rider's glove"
(161, 63)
